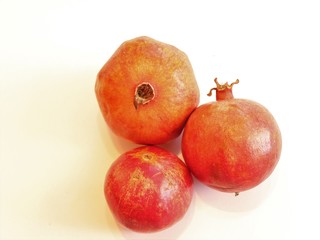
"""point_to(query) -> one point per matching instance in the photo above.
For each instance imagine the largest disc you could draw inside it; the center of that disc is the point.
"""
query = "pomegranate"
(231, 145)
(148, 189)
(146, 91)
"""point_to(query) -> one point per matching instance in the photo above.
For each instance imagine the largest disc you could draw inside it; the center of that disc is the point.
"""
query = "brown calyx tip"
(144, 93)
(222, 87)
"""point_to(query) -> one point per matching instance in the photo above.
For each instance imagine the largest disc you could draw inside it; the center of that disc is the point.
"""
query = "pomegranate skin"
(148, 189)
(146, 91)
(231, 145)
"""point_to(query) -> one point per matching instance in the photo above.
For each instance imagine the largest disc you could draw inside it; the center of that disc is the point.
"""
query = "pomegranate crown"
(222, 87)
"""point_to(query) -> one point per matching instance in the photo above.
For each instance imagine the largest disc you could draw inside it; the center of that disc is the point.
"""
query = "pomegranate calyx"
(224, 91)
(221, 87)
(226, 85)
(144, 93)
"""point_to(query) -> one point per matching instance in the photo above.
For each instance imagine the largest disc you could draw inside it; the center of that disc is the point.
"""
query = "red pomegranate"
(146, 91)
(148, 189)
(231, 145)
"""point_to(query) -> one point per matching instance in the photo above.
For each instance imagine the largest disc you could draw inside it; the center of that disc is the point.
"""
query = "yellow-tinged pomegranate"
(146, 91)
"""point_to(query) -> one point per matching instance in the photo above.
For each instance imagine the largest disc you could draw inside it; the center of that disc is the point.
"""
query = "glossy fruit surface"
(146, 91)
(232, 144)
(148, 189)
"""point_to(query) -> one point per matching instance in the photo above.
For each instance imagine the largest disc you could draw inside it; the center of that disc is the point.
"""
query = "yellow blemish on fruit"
(139, 184)
(138, 187)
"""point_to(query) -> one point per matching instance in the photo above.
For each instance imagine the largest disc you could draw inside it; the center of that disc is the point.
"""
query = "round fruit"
(146, 91)
(148, 189)
(231, 145)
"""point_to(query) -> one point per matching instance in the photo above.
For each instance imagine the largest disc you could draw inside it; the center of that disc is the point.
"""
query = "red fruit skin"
(148, 189)
(167, 70)
(231, 145)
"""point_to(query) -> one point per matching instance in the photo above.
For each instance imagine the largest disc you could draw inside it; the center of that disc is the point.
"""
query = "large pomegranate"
(232, 144)
(148, 189)
(146, 91)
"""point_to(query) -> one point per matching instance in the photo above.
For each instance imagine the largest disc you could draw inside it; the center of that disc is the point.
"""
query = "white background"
(56, 148)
